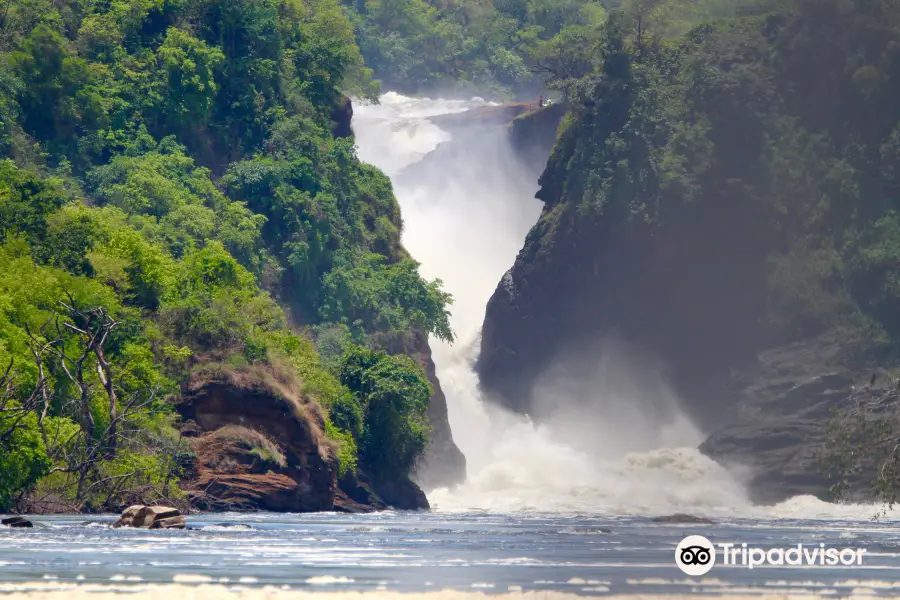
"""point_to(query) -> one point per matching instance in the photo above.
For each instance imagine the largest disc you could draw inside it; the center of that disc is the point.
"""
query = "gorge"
(604, 427)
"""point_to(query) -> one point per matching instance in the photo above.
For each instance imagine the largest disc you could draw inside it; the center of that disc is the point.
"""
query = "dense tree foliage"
(389, 409)
(757, 150)
(472, 46)
(171, 193)
(509, 47)
(735, 185)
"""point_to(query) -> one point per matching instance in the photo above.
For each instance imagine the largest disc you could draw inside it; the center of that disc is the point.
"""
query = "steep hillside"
(712, 197)
(179, 196)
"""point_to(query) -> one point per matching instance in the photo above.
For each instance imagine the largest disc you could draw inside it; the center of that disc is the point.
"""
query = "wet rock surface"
(17, 522)
(151, 517)
(683, 519)
(784, 402)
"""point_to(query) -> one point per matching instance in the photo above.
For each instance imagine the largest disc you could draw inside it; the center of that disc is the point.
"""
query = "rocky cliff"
(443, 464)
(259, 445)
(784, 399)
(701, 210)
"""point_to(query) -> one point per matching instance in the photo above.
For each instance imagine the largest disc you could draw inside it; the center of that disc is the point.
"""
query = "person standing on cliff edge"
(540, 102)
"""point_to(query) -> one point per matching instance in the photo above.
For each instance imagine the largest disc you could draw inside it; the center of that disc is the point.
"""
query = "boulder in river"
(16, 522)
(151, 517)
(682, 519)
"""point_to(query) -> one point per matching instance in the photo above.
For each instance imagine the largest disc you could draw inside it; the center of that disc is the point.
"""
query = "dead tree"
(94, 328)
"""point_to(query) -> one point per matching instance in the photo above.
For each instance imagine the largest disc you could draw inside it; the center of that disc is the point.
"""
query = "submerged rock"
(16, 522)
(681, 518)
(151, 517)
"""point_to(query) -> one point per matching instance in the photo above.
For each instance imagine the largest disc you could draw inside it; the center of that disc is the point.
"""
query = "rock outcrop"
(682, 519)
(258, 441)
(533, 133)
(17, 522)
(483, 116)
(259, 445)
(712, 214)
(341, 117)
(151, 517)
(784, 401)
(692, 294)
(443, 464)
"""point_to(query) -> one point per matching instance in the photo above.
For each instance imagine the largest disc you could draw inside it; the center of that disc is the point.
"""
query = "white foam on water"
(328, 580)
(47, 591)
(626, 448)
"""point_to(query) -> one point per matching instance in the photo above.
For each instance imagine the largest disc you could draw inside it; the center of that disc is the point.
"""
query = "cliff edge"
(710, 213)
(259, 444)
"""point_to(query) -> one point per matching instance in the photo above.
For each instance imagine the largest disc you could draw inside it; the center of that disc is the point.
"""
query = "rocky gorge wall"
(259, 444)
(689, 307)
(688, 215)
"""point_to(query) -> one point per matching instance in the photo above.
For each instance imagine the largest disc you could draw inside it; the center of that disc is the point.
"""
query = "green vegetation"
(860, 448)
(741, 177)
(507, 47)
(726, 135)
(388, 413)
(471, 46)
(172, 195)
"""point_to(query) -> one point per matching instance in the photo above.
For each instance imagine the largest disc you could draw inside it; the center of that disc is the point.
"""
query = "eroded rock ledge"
(259, 445)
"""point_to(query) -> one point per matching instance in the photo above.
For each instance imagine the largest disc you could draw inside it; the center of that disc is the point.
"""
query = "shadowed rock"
(16, 522)
(683, 519)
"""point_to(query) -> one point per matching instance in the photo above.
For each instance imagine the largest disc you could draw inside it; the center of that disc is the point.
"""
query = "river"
(545, 509)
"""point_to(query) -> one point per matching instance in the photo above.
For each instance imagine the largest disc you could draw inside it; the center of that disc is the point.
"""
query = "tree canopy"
(173, 193)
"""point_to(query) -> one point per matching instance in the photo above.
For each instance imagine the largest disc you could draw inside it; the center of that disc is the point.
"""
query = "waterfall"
(465, 220)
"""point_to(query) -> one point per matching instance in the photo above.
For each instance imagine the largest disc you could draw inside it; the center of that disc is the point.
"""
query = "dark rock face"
(404, 495)
(767, 410)
(578, 280)
(18, 522)
(443, 464)
(784, 401)
(341, 117)
(533, 134)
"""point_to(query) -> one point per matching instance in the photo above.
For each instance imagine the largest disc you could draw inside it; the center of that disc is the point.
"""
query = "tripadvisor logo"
(695, 555)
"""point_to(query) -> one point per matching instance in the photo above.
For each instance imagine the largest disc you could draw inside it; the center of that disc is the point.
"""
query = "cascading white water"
(628, 450)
